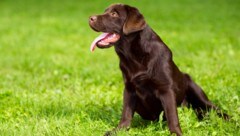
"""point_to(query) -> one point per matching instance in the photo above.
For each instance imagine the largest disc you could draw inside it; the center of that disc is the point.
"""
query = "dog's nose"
(93, 18)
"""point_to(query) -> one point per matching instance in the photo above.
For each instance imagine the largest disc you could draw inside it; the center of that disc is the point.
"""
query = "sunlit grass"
(51, 84)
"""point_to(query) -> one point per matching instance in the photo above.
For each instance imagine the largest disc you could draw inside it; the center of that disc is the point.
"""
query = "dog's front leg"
(129, 103)
(168, 101)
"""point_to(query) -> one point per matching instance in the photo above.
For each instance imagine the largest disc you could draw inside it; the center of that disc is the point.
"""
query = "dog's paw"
(115, 130)
(111, 133)
(108, 133)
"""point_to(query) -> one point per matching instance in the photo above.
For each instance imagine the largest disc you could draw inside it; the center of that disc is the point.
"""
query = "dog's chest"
(133, 61)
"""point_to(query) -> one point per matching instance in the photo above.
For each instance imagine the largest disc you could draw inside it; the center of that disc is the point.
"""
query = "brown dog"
(153, 83)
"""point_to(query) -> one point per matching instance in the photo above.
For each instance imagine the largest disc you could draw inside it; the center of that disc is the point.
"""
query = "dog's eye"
(114, 14)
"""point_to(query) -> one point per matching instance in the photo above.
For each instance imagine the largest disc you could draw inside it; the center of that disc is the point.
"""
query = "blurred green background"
(51, 84)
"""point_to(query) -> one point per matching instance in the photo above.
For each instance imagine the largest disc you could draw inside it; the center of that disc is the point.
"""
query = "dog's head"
(117, 20)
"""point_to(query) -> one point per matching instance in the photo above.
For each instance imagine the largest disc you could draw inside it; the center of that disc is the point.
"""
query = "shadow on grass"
(109, 114)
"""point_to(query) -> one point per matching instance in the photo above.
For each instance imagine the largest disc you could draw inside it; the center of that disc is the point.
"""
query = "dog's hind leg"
(199, 101)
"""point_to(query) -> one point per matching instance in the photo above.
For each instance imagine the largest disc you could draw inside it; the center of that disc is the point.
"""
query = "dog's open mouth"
(104, 39)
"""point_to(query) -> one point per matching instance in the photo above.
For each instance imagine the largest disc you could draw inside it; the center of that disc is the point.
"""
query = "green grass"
(51, 84)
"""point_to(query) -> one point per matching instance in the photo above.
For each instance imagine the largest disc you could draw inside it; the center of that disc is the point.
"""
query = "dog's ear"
(134, 22)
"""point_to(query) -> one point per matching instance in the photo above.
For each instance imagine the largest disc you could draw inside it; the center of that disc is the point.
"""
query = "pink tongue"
(100, 37)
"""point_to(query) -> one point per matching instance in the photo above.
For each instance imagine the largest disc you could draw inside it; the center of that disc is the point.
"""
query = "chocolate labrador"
(153, 82)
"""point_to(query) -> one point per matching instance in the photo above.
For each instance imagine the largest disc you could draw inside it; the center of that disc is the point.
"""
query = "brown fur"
(153, 83)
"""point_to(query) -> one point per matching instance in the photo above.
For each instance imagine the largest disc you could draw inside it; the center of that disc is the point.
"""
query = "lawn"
(51, 84)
